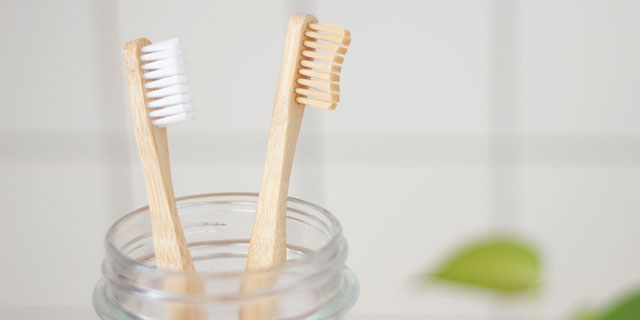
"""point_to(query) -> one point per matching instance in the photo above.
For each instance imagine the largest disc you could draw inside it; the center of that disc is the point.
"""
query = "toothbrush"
(309, 76)
(157, 81)
(162, 79)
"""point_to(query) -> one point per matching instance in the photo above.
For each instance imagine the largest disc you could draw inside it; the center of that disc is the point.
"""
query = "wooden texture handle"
(268, 244)
(268, 237)
(170, 245)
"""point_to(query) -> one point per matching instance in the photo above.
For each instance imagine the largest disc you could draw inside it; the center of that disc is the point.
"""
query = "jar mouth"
(326, 251)
(314, 283)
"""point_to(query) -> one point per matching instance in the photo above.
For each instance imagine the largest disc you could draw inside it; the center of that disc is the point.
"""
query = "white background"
(457, 118)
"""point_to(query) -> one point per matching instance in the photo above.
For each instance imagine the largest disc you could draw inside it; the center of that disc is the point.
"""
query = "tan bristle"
(337, 30)
(341, 40)
(324, 46)
(316, 103)
(333, 77)
(321, 66)
(323, 56)
(322, 95)
(322, 85)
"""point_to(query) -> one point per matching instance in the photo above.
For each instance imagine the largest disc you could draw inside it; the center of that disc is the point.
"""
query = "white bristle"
(179, 108)
(169, 101)
(165, 82)
(169, 91)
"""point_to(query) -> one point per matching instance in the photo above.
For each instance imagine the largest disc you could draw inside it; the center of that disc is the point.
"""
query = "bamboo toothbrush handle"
(268, 237)
(268, 244)
(170, 246)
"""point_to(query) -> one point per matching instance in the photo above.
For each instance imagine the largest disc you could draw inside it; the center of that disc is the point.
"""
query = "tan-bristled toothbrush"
(308, 77)
(159, 96)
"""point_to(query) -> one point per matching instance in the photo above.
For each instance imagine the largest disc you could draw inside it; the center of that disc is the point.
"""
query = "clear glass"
(314, 284)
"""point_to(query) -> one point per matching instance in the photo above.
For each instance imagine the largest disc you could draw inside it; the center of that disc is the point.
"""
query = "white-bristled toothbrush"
(159, 97)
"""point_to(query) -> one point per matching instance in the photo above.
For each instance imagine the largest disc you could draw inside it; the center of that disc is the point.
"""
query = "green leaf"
(502, 264)
(627, 308)
(587, 315)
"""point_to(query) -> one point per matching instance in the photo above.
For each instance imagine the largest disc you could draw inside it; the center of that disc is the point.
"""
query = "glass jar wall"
(314, 284)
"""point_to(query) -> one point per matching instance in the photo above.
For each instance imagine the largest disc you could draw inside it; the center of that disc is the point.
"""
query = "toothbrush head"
(166, 83)
(319, 72)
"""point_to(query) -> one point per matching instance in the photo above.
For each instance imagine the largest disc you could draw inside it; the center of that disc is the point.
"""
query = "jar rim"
(334, 228)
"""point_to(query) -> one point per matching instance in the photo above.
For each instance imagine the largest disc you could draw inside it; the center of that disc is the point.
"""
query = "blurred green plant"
(509, 265)
(625, 308)
(498, 263)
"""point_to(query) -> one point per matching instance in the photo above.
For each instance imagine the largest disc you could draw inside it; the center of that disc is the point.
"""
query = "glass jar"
(314, 284)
